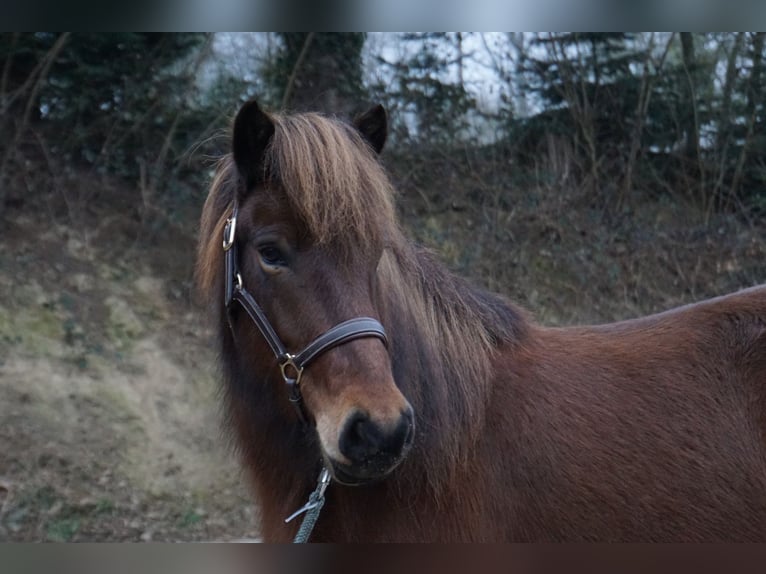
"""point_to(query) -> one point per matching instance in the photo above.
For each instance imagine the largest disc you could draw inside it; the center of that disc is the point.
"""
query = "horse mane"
(442, 330)
(217, 209)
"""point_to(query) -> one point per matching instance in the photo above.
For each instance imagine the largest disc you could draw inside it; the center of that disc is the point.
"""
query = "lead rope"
(312, 509)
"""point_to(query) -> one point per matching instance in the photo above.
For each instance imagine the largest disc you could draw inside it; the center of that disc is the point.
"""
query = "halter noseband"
(290, 365)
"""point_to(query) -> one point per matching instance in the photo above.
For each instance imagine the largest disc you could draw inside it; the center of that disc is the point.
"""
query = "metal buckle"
(288, 361)
(228, 232)
(238, 286)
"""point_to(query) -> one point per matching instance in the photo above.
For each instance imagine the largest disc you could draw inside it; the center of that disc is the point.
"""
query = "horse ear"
(373, 125)
(253, 130)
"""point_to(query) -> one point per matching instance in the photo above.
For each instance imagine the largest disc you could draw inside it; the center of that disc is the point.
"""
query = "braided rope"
(312, 508)
(316, 500)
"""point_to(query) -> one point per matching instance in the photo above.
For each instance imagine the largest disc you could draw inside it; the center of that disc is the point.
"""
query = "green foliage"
(121, 95)
(651, 114)
(190, 518)
(63, 530)
(748, 163)
(117, 102)
(590, 76)
(581, 66)
(428, 90)
(683, 113)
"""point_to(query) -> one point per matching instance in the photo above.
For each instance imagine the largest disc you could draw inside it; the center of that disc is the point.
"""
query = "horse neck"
(443, 335)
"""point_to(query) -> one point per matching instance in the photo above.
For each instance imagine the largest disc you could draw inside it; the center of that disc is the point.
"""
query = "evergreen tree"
(428, 86)
(590, 91)
(748, 179)
(119, 95)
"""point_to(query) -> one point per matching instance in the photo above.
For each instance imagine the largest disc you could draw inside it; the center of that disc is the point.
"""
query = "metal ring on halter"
(239, 282)
(228, 234)
(289, 361)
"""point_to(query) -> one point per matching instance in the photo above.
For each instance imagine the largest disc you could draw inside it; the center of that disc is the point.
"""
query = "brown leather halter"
(291, 365)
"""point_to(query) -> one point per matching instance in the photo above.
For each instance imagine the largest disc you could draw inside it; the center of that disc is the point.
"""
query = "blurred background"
(589, 177)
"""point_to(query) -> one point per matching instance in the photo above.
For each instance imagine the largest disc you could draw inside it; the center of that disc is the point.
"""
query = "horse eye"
(271, 255)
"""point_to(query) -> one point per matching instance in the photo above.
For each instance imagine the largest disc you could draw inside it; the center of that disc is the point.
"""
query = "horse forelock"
(332, 180)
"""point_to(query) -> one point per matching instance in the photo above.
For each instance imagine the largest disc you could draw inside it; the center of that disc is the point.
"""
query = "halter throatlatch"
(291, 365)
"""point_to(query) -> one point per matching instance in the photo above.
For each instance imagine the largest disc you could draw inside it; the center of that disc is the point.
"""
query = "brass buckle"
(228, 233)
(290, 362)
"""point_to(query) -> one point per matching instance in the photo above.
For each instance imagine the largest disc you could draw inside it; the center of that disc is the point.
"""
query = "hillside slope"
(109, 420)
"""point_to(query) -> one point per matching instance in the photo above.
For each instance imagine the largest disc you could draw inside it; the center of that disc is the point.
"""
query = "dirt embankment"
(109, 419)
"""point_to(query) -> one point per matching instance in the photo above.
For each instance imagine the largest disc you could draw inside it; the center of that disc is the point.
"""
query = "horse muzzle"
(372, 449)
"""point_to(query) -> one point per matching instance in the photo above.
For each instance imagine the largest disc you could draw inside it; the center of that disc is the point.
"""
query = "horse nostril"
(363, 440)
(360, 438)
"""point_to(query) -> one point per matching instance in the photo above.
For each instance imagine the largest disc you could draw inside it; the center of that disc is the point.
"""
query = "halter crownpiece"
(291, 365)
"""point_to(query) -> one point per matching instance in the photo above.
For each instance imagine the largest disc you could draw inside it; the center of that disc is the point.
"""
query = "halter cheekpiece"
(291, 365)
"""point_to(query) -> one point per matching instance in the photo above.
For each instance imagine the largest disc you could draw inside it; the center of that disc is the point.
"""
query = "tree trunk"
(324, 72)
(690, 124)
(642, 109)
(724, 118)
(754, 91)
(756, 76)
(724, 121)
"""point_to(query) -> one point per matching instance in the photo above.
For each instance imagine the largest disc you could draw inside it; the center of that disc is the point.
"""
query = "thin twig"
(7, 66)
(298, 63)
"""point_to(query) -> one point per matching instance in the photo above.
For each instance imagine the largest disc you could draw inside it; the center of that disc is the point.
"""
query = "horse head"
(307, 261)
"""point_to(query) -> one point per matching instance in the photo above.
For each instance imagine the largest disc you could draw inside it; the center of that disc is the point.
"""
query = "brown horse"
(465, 421)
